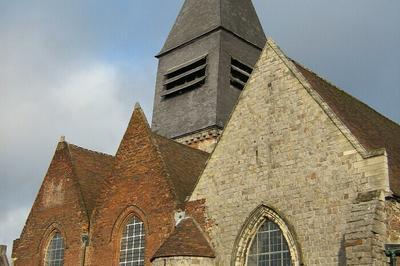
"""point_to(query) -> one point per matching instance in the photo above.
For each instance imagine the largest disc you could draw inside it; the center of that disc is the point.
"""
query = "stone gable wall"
(392, 210)
(281, 149)
(184, 261)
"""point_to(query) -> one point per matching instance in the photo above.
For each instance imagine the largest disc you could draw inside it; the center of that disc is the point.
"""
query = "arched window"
(269, 247)
(132, 243)
(265, 239)
(55, 251)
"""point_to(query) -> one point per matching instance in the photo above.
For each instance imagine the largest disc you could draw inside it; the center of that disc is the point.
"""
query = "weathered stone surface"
(183, 261)
(281, 149)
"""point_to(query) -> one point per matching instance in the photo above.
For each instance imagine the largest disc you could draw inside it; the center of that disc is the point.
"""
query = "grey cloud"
(76, 67)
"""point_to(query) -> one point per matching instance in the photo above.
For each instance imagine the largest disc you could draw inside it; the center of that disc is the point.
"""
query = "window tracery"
(132, 243)
(266, 240)
(55, 251)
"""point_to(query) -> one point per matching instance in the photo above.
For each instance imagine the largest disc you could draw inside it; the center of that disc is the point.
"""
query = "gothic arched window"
(132, 243)
(55, 251)
(265, 239)
(269, 247)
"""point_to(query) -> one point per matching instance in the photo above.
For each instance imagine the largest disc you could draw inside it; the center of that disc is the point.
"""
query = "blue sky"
(77, 67)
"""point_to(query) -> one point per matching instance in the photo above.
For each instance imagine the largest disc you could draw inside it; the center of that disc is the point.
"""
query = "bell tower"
(203, 66)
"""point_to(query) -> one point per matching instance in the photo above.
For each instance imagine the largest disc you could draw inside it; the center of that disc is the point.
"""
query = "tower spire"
(204, 64)
(201, 17)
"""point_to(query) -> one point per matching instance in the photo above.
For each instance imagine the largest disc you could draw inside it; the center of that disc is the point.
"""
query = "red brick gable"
(58, 205)
(150, 179)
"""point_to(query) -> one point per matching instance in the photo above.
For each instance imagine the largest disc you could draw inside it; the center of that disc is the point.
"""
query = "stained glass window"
(269, 247)
(55, 251)
(132, 244)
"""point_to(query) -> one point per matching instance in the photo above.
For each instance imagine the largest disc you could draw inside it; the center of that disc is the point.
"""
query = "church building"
(251, 159)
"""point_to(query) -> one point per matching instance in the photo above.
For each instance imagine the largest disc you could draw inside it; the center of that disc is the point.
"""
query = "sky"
(75, 68)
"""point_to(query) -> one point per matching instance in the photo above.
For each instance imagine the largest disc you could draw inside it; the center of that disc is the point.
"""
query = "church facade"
(251, 159)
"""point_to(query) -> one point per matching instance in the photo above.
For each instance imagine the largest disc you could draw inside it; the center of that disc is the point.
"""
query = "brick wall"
(138, 186)
(58, 206)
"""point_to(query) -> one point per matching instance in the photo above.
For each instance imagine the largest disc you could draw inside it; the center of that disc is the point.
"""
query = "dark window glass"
(132, 244)
(55, 251)
(269, 247)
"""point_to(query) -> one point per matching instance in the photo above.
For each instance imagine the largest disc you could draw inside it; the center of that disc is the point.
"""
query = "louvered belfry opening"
(196, 89)
(188, 76)
(240, 74)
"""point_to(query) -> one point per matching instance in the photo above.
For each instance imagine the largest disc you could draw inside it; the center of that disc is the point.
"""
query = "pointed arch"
(129, 216)
(250, 229)
(54, 229)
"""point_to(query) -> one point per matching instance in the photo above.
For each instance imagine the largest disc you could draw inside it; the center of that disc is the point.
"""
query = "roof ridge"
(82, 199)
(340, 89)
(106, 161)
(165, 167)
(179, 243)
(91, 151)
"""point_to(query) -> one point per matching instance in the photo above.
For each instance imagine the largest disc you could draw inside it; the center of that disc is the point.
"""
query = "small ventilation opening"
(186, 77)
(240, 74)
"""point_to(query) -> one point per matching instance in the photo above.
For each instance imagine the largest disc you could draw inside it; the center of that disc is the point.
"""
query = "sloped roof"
(197, 18)
(91, 169)
(373, 130)
(187, 240)
(184, 165)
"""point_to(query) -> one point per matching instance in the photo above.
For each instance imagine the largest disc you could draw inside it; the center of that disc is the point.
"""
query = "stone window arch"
(264, 221)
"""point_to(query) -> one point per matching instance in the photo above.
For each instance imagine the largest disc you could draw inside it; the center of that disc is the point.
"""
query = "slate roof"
(91, 169)
(372, 130)
(187, 240)
(197, 18)
(183, 164)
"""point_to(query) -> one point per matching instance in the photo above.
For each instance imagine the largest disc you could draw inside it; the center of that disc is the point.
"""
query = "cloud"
(76, 68)
(57, 78)
(11, 225)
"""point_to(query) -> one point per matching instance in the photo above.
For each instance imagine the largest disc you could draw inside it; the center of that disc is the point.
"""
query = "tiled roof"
(91, 169)
(372, 130)
(187, 240)
(183, 164)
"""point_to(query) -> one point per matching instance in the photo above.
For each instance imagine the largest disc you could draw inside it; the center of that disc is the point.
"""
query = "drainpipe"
(392, 251)
(85, 242)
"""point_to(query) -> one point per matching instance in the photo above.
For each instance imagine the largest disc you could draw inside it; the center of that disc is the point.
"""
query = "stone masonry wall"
(281, 149)
(183, 261)
(392, 210)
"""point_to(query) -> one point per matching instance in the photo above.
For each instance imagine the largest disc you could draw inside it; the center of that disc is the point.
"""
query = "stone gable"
(281, 148)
